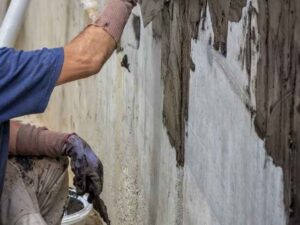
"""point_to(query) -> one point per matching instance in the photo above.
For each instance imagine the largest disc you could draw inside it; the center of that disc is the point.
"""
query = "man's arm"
(87, 53)
(27, 78)
(27, 140)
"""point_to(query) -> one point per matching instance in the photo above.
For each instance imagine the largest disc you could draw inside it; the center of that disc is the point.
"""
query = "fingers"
(88, 170)
(94, 185)
(87, 182)
(90, 199)
(79, 179)
(80, 185)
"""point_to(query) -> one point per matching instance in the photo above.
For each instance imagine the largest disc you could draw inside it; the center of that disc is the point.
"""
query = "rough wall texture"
(225, 162)
(175, 133)
(3, 8)
(180, 23)
(276, 93)
(176, 41)
(277, 119)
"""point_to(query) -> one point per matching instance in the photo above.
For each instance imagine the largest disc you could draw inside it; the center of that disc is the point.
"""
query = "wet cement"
(278, 93)
(277, 86)
(277, 114)
(177, 25)
(74, 206)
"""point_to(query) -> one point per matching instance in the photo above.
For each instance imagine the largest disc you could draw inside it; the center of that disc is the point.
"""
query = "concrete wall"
(227, 177)
(3, 8)
(226, 164)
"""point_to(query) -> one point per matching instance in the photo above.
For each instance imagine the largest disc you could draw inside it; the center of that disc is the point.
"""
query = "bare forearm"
(87, 53)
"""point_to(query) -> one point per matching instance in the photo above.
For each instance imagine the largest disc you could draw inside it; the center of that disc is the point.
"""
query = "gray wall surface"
(226, 179)
(3, 8)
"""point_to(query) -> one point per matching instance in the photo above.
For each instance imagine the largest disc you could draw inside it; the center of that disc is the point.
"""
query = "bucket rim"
(81, 214)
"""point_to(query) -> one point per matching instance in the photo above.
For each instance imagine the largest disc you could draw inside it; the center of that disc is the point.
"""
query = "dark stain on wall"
(136, 22)
(278, 93)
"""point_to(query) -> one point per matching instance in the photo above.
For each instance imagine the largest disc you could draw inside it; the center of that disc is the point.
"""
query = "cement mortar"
(278, 86)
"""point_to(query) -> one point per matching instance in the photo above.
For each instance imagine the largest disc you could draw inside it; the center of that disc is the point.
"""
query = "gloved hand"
(88, 171)
(86, 166)
(27, 140)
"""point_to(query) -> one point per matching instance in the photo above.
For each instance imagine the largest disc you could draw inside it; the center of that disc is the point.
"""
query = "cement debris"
(74, 206)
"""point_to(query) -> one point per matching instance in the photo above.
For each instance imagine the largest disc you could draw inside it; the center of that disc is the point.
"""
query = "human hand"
(88, 171)
(86, 166)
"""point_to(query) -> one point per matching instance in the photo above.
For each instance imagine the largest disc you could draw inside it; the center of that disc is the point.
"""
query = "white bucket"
(79, 217)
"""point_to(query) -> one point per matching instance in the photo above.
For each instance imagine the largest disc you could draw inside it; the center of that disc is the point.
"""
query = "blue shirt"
(27, 79)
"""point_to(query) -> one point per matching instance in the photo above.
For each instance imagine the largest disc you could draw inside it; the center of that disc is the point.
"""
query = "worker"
(27, 79)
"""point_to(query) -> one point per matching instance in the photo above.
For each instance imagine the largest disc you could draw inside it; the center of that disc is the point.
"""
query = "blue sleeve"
(27, 79)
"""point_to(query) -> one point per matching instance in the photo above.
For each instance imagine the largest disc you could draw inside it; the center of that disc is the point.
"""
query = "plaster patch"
(277, 93)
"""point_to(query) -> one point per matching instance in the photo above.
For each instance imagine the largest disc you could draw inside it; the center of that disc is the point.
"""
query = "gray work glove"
(88, 171)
